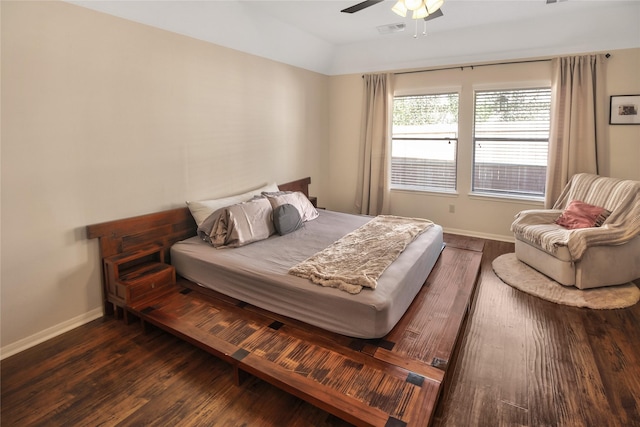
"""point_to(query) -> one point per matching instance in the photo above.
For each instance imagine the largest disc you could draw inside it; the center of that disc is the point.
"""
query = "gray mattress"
(257, 274)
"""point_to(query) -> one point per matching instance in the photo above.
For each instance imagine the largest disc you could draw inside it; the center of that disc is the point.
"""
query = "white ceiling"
(314, 34)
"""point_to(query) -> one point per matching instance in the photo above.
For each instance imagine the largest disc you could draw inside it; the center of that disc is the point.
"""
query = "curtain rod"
(462, 67)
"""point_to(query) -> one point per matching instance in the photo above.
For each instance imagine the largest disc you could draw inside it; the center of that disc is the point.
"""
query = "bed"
(314, 350)
(258, 274)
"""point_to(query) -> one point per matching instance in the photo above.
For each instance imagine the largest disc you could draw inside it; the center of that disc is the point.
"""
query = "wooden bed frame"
(393, 381)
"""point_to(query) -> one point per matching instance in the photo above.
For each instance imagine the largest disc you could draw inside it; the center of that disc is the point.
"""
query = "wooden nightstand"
(132, 276)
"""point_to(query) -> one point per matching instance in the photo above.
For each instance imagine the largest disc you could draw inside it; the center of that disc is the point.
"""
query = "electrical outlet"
(452, 208)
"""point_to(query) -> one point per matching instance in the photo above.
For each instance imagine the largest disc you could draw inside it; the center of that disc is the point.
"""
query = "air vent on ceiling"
(554, 1)
(391, 28)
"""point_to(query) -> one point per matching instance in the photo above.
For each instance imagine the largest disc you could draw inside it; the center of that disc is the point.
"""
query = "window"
(511, 138)
(424, 142)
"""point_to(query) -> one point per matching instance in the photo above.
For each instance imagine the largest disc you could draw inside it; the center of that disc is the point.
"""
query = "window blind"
(424, 143)
(511, 138)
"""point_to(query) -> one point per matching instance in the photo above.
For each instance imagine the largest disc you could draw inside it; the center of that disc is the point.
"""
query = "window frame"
(457, 90)
(511, 86)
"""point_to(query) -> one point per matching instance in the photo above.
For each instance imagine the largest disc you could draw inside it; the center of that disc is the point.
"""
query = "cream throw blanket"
(620, 197)
(358, 259)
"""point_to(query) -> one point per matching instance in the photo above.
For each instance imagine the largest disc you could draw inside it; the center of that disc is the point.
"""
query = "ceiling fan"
(362, 5)
(367, 3)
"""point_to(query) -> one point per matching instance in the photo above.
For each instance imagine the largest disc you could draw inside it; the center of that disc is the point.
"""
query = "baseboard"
(498, 237)
(47, 334)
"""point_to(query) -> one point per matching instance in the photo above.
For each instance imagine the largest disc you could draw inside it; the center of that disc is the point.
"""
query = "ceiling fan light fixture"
(420, 12)
(421, 8)
(413, 4)
(433, 5)
(400, 8)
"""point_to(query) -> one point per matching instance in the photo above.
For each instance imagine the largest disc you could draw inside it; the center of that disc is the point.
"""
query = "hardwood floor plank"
(432, 334)
(464, 242)
(525, 361)
(616, 353)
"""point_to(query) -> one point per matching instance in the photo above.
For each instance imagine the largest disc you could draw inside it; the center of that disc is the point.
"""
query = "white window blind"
(424, 142)
(511, 139)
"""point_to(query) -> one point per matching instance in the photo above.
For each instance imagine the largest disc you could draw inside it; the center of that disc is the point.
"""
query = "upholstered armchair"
(598, 243)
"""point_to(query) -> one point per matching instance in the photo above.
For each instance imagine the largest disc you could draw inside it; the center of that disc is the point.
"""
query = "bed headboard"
(298, 185)
(160, 228)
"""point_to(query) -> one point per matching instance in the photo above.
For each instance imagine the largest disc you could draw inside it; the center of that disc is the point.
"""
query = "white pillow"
(200, 210)
(297, 199)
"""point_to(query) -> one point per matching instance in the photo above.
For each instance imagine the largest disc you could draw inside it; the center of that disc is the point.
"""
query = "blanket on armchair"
(620, 197)
(358, 259)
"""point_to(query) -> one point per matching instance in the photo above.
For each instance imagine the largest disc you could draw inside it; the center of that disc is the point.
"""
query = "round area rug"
(520, 276)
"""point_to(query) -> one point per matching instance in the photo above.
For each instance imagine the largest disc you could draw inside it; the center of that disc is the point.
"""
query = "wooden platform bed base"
(393, 381)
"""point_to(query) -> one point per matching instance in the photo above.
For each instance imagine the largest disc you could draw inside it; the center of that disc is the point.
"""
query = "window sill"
(426, 192)
(533, 201)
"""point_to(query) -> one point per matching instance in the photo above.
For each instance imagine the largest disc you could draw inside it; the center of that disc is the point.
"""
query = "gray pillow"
(295, 198)
(286, 218)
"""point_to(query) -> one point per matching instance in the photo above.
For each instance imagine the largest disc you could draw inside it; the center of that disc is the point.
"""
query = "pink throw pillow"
(582, 215)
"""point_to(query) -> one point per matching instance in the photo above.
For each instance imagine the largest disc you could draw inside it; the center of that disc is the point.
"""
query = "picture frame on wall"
(624, 110)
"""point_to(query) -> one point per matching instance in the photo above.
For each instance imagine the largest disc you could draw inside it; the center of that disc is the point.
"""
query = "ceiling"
(315, 35)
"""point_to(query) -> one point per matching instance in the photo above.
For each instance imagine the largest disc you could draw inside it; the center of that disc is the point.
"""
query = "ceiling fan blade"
(437, 14)
(363, 5)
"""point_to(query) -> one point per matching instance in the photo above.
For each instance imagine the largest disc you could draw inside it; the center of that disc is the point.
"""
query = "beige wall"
(481, 216)
(623, 78)
(103, 119)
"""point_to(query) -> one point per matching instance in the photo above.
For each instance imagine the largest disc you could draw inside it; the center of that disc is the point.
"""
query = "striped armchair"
(590, 257)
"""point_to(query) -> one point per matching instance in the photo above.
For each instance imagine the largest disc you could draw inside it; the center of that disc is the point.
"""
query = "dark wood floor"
(523, 362)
